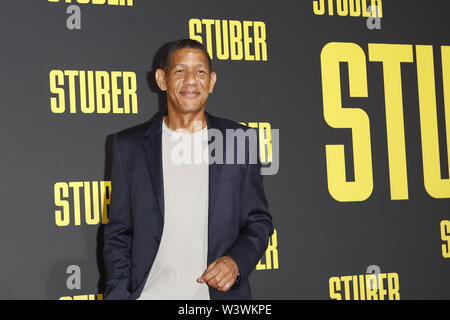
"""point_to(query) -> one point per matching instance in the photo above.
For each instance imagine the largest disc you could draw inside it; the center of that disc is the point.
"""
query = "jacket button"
(157, 239)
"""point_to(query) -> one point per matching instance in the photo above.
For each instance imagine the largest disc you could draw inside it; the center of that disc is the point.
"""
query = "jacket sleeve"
(257, 226)
(118, 232)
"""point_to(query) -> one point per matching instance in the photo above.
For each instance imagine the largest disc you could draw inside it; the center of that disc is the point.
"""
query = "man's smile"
(190, 94)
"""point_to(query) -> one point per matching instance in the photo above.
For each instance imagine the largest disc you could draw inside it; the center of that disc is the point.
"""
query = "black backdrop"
(387, 214)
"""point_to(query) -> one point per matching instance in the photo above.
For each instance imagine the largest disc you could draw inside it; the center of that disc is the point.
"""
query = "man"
(183, 230)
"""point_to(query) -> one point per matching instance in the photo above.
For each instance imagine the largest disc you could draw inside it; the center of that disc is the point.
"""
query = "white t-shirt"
(182, 254)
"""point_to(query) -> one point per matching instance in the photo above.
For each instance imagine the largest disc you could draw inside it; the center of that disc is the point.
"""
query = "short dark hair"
(169, 48)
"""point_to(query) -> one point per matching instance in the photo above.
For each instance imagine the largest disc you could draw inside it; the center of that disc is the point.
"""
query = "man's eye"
(200, 71)
(179, 71)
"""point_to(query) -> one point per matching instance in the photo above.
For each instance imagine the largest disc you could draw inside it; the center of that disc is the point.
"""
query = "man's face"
(188, 80)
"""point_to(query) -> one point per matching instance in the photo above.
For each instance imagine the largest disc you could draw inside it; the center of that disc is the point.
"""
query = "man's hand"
(221, 274)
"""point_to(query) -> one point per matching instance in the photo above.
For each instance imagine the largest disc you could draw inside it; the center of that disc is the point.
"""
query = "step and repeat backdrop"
(351, 99)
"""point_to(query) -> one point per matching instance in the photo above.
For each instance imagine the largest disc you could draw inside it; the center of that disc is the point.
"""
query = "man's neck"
(190, 122)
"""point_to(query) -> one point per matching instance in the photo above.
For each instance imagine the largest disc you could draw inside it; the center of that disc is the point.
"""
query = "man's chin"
(187, 108)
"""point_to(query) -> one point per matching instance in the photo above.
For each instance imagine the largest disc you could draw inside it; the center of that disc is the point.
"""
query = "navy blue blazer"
(239, 224)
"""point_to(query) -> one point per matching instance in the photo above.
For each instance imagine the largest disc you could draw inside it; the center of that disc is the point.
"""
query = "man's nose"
(189, 77)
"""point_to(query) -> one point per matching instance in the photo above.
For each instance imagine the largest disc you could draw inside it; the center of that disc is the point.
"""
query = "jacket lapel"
(153, 152)
(213, 167)
(214, 171)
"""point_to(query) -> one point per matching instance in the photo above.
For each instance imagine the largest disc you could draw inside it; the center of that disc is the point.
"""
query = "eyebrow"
(185, 65)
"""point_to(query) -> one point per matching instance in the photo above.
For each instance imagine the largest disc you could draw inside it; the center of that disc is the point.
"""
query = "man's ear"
(212, 82)
(160, 77)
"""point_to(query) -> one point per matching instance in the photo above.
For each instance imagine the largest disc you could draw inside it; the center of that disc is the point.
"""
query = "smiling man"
(184, 229)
